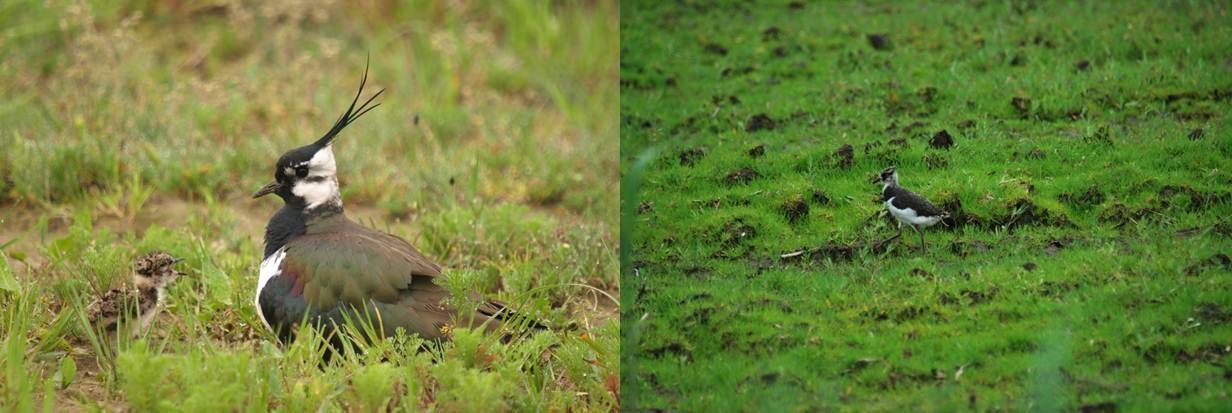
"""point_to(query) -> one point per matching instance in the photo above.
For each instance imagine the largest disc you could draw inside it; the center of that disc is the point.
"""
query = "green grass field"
(136, 125)
(1086, 265)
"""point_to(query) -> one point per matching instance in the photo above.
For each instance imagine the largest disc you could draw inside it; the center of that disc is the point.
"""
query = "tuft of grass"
(1089, 214)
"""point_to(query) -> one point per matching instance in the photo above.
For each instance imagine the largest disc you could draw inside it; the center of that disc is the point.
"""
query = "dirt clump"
(1023, 212)
(701, 316)
(1093, 196)
(700, 273)
(671, 349)
(758, 151)
(690, 156)
(1022, 105)
(1056, 288)
(1219, 260)
(795, 209)
(838, 252)
(958, 217)
(741, 176)
(844, 157)
(760, 122)
(1101, 136)
(1223, 228)
(715, 49)
(1198, 200)
(942, 140)
(978, 297)
(738, 71)
(720, 100)
(1196, 134)
(1083, 65)
(1213, 313)
(645, 208)
(736, 232)
(1018, 60)
(880, 41)
(771, 33)
(1120, 214)
(869, 147)
(820, 198)
(1052, 247)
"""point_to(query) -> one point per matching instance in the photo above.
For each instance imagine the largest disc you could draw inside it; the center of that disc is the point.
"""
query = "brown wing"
(352, 266)
(344, 263)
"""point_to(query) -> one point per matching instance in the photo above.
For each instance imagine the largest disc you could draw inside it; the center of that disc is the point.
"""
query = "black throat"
(292, 221)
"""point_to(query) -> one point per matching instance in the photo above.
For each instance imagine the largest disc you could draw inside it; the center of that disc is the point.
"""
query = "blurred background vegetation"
(139, 124)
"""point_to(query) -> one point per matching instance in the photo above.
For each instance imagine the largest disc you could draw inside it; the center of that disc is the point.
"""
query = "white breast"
(270, 268)
(147, 317)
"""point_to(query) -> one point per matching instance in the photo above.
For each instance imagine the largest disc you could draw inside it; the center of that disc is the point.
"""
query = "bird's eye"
(301, 171)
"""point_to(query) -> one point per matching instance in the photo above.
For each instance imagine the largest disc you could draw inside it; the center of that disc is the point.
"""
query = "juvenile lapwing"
(908, 208)
(323, 268)
(135, 305)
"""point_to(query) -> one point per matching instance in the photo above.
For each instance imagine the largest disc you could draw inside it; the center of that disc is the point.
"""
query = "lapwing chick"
(321, 267)
(135, 305)
(908, 208)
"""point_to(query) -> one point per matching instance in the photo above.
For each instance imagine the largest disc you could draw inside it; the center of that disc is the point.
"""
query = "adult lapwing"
(136, 305)
(908, 208)
(323, 268)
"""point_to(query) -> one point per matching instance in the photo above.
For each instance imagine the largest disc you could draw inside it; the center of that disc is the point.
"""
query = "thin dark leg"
(921, 238)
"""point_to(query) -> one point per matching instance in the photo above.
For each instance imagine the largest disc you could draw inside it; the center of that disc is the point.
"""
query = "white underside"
(909, 216)
(147, 317)
(270, 268)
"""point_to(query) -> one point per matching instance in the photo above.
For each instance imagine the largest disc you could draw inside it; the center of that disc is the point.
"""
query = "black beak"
(876, 179)
(176, 260)
(267, 189)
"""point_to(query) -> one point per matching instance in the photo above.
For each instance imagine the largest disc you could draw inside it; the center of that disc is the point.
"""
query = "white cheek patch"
(320, 187)
(322, 163)
(317, 193)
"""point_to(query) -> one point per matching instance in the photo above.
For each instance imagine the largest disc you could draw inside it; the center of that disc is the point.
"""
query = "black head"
(888, 176)
(155, 269)
(306, 177)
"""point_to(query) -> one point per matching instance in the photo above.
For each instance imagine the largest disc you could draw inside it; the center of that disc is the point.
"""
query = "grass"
(1086, 267)
(139, 125)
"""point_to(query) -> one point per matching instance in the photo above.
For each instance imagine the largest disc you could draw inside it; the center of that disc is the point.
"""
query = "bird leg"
(922, 245)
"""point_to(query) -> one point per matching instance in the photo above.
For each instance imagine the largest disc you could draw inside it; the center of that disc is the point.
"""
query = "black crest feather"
(351, 113)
